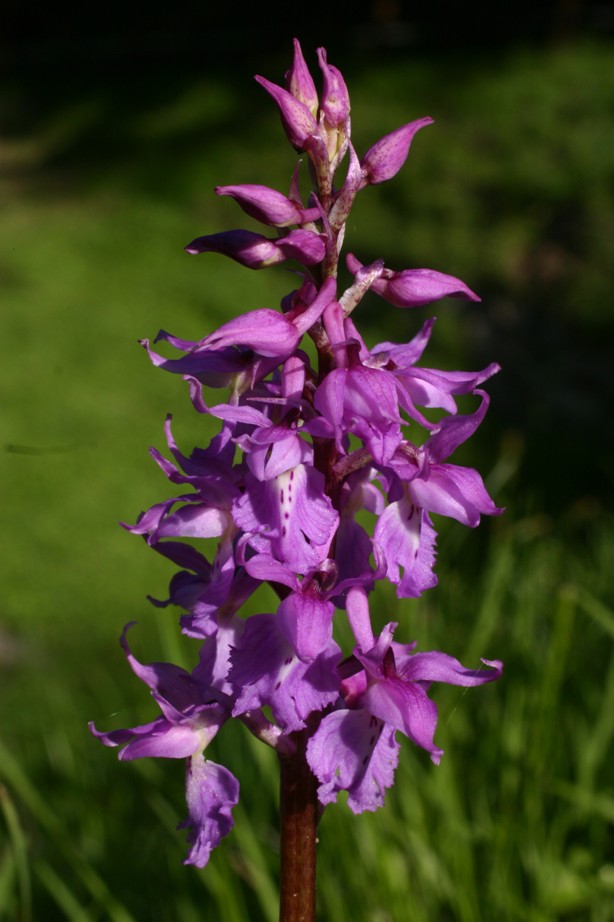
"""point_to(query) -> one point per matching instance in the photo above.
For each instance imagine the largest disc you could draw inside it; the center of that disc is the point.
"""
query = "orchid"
(302, 449)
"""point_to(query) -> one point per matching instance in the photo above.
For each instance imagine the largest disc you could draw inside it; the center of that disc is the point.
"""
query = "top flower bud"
(299, 81)
(298, 122)
(386, 157)
(335, 103)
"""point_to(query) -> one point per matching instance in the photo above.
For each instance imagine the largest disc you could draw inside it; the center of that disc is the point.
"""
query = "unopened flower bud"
(264, 204)
(257, 252)
(386, 157)
(413, 287)
(298, 122)
(335, 102)
(299, 81)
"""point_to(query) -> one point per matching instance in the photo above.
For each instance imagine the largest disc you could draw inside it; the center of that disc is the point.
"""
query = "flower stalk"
(298, 814)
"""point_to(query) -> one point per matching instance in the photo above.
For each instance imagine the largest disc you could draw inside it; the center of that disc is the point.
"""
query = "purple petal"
(454, 430)
(305, 246)
(306, 621)
(244, 246)
(174, 742)
(194, 521)
(439, 667)
(290, 517)
(266, 331)
(457, 492)
(415, 287)
(300, 82)
(406, 539)
(352, 751)
(211, 793)
(386, 157)
(298, 122)
(406, 707)
(264, 204)
(266, 671)
(335, 102)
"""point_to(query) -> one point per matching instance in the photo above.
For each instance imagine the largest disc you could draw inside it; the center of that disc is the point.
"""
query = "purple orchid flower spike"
(320, 482)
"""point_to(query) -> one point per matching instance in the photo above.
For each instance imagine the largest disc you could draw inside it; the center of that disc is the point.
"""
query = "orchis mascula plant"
(300, 450)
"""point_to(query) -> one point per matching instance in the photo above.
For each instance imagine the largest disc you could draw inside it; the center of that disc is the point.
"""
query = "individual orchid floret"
(267, 670)
(268, 332)
(299, 81)
(386, 157)
(397, 680)
(298, 122)
(190, 719)
(425, 387)
(421, 485)
(289, 517)
(268, 206)
(363, 402)
(413, 287)
(335, 102)
(354, 749)
(258, 252)
(334, 110)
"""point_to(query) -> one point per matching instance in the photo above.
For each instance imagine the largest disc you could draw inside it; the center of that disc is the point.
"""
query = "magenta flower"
(270, 207)
(414, 287)
(258, 252)
(354, 748)
(330, 459)
(386, 157)
(190, 719)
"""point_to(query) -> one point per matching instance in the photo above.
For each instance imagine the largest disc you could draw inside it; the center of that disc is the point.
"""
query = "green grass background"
(512, 190)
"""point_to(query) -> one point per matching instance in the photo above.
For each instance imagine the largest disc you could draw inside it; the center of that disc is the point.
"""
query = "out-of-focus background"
(116, 124)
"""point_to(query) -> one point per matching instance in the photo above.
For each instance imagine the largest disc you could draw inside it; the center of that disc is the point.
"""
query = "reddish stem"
(299, 819)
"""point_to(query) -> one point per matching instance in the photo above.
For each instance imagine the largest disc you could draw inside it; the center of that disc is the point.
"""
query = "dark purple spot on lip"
(286, 515)
(283, 531)
(291, 475)
(281, 496)
(277, 686)
(288, 661)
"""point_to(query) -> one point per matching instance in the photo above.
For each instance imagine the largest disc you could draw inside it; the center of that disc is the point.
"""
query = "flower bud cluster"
(302, 448)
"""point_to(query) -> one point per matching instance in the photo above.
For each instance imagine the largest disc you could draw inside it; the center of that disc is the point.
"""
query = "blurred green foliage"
(512, 190)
